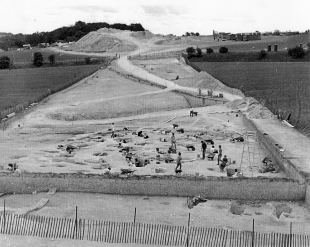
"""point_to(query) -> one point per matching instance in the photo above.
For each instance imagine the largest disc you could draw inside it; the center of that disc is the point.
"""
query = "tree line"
(67, 34)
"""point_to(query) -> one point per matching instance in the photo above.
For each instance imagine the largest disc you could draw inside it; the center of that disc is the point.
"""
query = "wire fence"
(143, 233)
(303, 126)
(157, 55)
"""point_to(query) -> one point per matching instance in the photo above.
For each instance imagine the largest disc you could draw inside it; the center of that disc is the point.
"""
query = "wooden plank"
(34, 218)
(171, 235)
(124, 232)
(83, 229)
(108, 239)
(13, 225)
(203, 237)
(40, 229)
(21, 225)
(29, 225)
(158, 233)
(66, 228)
(62, 228)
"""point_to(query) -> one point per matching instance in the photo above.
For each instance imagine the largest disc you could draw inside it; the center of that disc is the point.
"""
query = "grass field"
(25, 56)
(22, 85)
(250, 56)
(286, 85)
(257, 45)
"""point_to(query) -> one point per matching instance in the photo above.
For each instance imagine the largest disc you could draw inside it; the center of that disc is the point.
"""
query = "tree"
(276, 32)
(209, 50)
(198, 52)
(87, 60)
(190, 52)
(223, 49)
(51, 58)
(296, 52)
(197, 34)
(187, 34)
(38, 59)
(5, 62)
(262, 54)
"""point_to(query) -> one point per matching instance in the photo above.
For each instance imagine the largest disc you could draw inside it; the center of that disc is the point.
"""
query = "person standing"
(113, 130)
(173, 142)
(191, 112)
(179, 162)
(203, 149)
(219, 157)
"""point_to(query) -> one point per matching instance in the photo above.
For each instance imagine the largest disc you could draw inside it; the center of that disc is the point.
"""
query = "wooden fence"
(141, 233)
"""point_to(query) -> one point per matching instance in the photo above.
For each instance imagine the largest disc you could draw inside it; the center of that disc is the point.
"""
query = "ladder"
(251, 151)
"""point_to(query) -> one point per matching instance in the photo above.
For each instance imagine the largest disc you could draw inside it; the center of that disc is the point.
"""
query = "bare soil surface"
(82, 115)
(235, 215)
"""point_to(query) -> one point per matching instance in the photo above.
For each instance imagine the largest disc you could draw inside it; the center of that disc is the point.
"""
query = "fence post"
(253, 234)
(188, 225)
(76, 220)
(4, 216)
(134, 218)
(291, 226)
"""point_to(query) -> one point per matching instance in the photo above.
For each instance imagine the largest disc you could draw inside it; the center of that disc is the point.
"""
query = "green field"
(25, 56)
(257, 45)
(285, 85)
(21, 85)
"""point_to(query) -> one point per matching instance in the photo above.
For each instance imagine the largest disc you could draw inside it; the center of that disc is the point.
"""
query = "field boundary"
(147, 82)
(156, 55)
(143, 233)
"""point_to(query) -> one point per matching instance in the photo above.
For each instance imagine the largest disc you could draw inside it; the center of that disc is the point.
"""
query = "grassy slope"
(286, 84)
(20, 85)
(25, 56)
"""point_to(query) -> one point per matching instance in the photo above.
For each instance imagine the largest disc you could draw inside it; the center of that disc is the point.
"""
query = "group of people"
(222, 163)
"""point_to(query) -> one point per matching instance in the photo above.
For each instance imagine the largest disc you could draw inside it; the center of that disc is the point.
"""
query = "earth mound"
(252, 108)
(104, 40)
(142, 34)
(204, 80)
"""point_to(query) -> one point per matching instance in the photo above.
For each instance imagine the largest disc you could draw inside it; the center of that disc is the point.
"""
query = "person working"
(113, 130)
(173, 142)
(203, 149)
(179, 162)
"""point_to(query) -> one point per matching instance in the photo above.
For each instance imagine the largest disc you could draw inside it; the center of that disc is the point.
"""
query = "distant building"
(240, 36)
(223, 35)
(26, 46)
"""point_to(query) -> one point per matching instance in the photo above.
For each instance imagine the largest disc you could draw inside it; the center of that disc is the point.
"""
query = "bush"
(51, 58)
(209, 50)
(262, 54)
(4, 62)
(223, 49)
(308, 45)
(37, 59)
(296, 52)
(87, 60)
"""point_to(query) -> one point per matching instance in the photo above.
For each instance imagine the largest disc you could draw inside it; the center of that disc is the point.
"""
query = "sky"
(158, 16)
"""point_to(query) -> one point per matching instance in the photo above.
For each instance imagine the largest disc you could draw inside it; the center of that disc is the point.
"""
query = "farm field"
(284, 84)
(25, 56)
(22, 85)
(283, 43)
